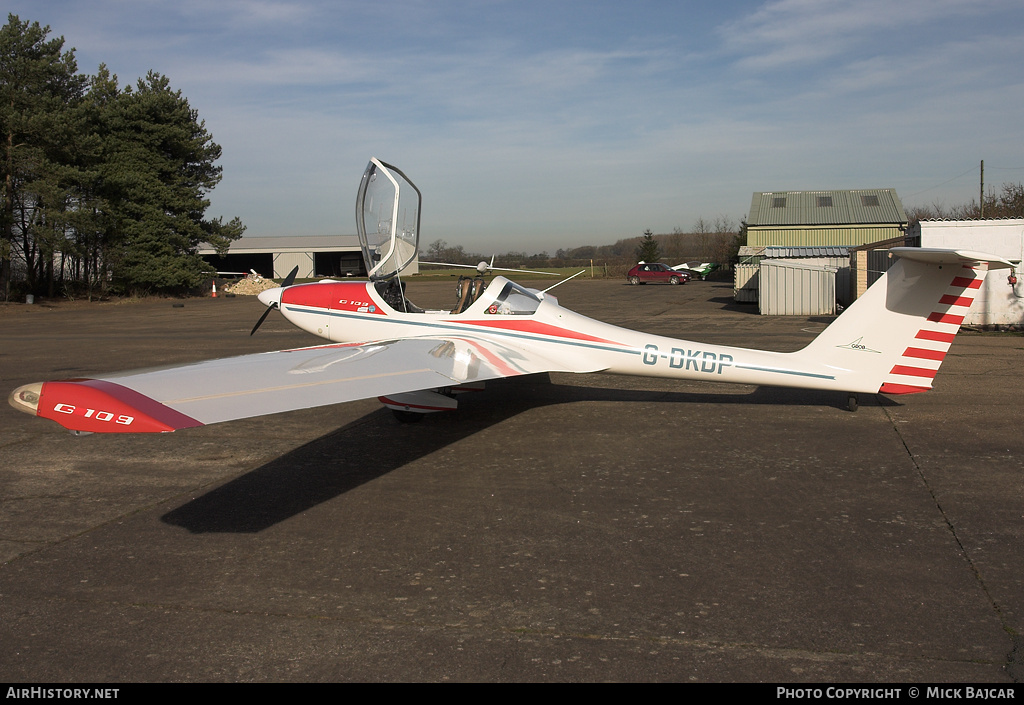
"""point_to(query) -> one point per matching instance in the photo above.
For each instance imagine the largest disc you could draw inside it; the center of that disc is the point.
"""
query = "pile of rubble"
(251, 285)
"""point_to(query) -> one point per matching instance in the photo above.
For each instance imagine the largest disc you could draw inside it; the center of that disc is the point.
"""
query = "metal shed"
(747, 275)
(789, 288)
(746, 280)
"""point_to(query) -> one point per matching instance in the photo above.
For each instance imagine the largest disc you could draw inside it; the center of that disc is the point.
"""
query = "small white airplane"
(891, 340)
(701, 269)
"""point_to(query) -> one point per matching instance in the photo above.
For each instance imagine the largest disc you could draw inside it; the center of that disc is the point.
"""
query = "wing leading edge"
(201, 393)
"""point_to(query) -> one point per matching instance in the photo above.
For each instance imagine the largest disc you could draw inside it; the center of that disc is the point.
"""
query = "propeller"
(483, 268)
(288, 281)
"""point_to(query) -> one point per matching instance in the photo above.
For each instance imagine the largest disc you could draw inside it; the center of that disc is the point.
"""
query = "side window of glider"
(514, 301)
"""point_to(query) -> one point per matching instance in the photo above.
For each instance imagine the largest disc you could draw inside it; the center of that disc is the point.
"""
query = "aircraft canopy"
(387, 219)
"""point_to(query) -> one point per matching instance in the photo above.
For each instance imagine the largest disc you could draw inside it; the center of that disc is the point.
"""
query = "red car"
(656, 272)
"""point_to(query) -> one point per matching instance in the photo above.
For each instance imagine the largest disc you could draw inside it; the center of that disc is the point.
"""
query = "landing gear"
(851, 402)
(407, 416)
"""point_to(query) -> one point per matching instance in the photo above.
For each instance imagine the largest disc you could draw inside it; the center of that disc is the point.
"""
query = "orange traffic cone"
(214, 288)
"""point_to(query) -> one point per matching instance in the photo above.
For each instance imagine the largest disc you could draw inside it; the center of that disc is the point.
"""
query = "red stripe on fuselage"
(536, 328)
(335, 296)
(494, 360)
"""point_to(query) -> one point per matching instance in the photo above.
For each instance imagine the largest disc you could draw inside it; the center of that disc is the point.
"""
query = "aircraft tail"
(894, 338)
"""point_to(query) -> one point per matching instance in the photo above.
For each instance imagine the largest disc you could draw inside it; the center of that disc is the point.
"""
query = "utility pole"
(981, 192)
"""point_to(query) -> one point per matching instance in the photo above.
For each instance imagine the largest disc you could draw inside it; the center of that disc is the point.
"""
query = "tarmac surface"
(555, 528)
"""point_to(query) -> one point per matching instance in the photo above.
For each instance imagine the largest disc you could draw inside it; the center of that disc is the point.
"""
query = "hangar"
(274, 257)
(806, 238)
(824, 218)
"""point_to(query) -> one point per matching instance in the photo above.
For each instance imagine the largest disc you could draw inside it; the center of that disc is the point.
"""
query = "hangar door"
(285, 262)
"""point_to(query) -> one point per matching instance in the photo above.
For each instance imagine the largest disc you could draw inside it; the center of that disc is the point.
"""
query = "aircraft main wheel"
(634, 280)
(851, 402)
(407, 416)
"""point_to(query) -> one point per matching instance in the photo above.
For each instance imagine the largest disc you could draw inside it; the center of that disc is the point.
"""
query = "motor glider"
(892, 340)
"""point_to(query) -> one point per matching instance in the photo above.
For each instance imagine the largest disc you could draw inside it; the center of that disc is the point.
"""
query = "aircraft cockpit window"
(514, 301)
(393, 293)
(387, 220)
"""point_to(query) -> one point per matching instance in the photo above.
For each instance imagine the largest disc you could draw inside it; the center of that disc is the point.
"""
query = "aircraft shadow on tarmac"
(729, 303)
(365, 450)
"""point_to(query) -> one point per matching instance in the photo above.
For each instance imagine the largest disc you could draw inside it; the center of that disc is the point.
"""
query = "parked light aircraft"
(892, 340)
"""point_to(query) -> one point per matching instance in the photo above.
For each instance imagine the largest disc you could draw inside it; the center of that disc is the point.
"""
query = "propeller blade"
(288, 281)
(262, 318)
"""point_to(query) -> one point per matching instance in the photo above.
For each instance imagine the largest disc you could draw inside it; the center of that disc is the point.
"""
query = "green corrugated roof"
(856, 207)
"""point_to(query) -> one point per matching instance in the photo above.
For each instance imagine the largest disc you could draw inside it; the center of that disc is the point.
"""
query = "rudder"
(895, 337)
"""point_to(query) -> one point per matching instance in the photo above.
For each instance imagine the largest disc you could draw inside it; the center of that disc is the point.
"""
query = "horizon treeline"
(103, 187)
(709, 241)
(1007, 203)
(718, 241)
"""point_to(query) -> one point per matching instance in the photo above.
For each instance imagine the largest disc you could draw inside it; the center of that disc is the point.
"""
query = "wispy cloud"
(529, 123)
(801, 32)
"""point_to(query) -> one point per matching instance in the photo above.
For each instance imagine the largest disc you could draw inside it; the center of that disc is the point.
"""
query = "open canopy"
(387, 219)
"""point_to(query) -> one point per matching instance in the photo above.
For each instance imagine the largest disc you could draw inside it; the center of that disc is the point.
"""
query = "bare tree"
(703, 232)
(677, 243)
(726, 232)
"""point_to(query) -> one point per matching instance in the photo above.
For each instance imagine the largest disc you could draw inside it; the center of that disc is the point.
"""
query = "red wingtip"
(98, 406)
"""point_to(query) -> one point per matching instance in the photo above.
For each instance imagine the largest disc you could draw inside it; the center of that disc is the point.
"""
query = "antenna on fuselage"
(562, 282)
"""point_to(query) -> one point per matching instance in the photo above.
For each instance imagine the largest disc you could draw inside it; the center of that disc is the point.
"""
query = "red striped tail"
(915, 369)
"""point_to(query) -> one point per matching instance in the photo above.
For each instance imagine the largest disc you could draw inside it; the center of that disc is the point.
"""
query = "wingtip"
(99, 406)
(26, 398)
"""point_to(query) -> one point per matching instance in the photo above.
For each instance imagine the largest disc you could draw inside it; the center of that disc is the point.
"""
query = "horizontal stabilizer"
(895, 336)
(934, 255)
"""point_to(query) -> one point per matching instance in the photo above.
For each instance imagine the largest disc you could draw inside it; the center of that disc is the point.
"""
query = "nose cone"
(272, 297)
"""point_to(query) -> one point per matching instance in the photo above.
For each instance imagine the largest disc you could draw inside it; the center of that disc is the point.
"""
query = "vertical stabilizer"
(894, 338)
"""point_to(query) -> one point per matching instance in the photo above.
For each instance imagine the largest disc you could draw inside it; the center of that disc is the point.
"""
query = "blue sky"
(541, 125)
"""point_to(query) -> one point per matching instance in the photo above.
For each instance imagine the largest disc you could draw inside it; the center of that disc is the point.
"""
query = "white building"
(998, 302)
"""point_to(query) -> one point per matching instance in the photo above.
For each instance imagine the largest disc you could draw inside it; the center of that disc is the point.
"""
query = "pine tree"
(648, 250)
(93, 221)
(158, 166)
(39, 89)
